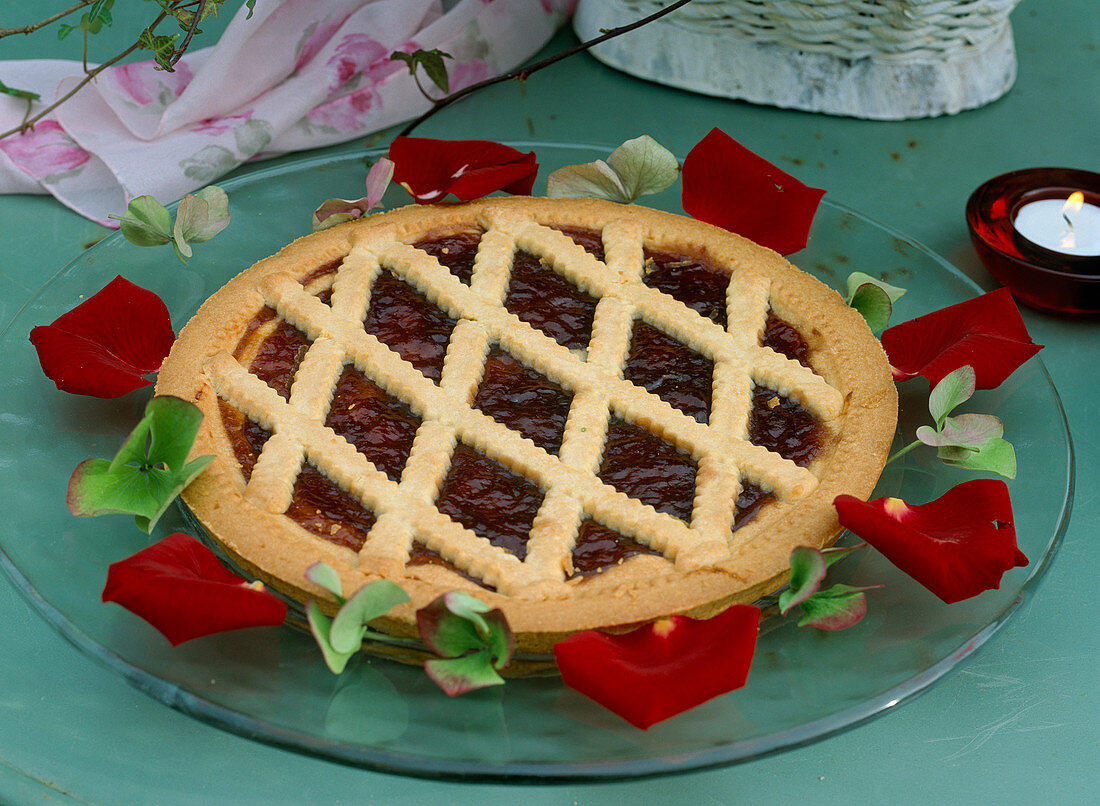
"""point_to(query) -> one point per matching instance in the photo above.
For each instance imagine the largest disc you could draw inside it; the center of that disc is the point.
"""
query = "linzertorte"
(589, 414)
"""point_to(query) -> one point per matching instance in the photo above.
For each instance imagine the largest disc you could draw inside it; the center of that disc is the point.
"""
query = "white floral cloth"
(299, 74)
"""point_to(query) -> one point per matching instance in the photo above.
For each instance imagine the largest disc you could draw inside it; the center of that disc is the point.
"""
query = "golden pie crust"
(702, 566)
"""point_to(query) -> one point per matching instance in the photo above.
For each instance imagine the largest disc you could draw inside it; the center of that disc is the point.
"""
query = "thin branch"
(178, 53)
(28, 29)
(91, 74)
(522, 73)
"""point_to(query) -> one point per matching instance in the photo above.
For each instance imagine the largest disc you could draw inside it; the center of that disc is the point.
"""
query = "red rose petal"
(986, 332)
(180, 587)
(727, 185)
(956, 546)
(106, 344)
(662, 669)
(469, 169)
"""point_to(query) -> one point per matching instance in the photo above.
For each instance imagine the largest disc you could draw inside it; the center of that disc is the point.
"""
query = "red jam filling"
(324, 270)
(690, 281)
(455, 252)
(420, 554)
(490, 500)
(246, 436)
(785, 340)
(590, 240)
(279, 354)
(402, 318)
(649, 468)
(749, 502)
(524, 400)
(675, 373)
(548, 302)
(598, 547)
(783, 426)
(325, 509)
(480, 493)
(380, 426)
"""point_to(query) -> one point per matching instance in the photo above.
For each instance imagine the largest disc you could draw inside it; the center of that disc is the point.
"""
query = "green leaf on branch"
(873, 305)
(17, 93)
(638, 167)
(857, 279)
(149, 470)
(834, 553)
(163, 47)
(432, 63)
(836, 608)
(808, 569)
(644, 166)
(965, 431)
(186, 16)
(147, 222)
(320, 626)
(466, 673)
(92, 21)
(337, 211)
(597, 180)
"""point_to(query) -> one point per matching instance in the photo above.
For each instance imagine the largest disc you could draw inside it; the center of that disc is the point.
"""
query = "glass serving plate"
(271, 684)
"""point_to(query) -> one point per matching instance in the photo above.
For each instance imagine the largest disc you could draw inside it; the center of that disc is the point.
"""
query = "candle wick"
(1069, 237)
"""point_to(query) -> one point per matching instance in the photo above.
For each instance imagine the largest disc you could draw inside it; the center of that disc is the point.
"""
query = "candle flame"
(1074, 203)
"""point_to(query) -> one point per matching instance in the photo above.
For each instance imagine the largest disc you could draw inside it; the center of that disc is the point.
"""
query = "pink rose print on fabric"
(553, 7)
(355, 54)
(344, 113)
(217, 126)
(147, 86)
(315, 38)
(44, 151)
(465, 74)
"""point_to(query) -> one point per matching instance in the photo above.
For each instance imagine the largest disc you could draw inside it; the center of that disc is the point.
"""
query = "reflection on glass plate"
(271, 683)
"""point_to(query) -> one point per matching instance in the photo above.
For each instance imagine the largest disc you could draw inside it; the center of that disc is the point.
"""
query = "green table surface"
(1016, 723)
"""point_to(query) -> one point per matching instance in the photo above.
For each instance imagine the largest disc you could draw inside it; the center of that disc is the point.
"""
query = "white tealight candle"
(1070, 226)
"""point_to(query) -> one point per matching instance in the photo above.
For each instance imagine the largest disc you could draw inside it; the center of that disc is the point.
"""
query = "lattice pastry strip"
(572, 372)
(405, 510)
(434, 444)
(665, 313)
(558, 521)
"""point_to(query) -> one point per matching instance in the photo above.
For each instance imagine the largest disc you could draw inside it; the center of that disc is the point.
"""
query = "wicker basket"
(866, 58)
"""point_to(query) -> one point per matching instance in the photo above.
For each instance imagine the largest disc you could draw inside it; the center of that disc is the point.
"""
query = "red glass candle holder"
(1039, 277)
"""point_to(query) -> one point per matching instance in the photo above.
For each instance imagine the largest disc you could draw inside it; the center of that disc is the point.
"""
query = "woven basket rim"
(888, 29)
